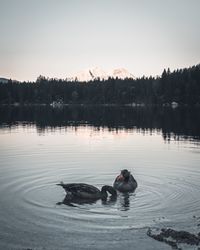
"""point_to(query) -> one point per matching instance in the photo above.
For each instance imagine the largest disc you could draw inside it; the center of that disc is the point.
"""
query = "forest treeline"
(181, 86)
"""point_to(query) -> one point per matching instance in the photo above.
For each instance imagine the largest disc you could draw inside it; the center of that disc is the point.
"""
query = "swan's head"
(125, 174)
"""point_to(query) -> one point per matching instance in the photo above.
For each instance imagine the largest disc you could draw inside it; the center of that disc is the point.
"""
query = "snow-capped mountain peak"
(121, 73)
(98, 73)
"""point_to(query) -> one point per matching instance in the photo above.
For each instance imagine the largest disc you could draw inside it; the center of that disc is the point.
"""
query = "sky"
(57, 38)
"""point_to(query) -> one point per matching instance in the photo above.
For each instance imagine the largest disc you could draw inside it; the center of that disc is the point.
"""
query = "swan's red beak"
(120, 177)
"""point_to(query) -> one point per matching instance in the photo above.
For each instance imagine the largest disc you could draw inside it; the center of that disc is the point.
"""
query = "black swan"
(125, 182)
(86, 192)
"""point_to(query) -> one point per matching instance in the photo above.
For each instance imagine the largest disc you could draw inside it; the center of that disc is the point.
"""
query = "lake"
(42, 146)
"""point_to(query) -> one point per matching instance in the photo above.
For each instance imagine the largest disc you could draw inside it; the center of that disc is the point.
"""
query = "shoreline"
(132, 105)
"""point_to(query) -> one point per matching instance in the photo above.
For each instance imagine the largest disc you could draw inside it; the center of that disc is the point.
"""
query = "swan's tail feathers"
(67, 187)
(61, 184)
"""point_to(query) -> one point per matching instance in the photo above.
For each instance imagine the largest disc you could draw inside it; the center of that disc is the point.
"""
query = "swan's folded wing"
(79, 187)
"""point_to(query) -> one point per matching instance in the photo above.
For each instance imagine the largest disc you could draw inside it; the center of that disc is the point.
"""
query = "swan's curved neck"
(108, 189)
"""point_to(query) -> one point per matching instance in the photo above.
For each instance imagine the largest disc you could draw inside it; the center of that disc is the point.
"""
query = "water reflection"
(177, 124)
(73, 202)
(31, 165)
(125, 201)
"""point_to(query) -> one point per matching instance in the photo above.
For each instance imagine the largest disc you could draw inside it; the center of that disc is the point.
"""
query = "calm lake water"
(40, 147)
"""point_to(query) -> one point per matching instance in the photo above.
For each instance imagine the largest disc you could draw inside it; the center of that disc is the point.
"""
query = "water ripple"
(168, 189)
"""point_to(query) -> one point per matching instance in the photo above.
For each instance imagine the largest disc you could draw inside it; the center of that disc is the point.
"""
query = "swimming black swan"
(85, 192)
(125, 182)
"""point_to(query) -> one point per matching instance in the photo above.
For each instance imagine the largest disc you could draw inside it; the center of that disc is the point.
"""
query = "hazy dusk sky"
(58, 37)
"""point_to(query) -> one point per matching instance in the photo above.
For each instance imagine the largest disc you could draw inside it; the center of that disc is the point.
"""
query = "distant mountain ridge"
(98, 73)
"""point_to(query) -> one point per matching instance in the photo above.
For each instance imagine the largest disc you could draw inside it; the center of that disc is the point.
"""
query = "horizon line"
(89, 68)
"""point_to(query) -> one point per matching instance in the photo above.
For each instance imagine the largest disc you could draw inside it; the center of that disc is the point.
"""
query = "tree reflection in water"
(182, 123)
